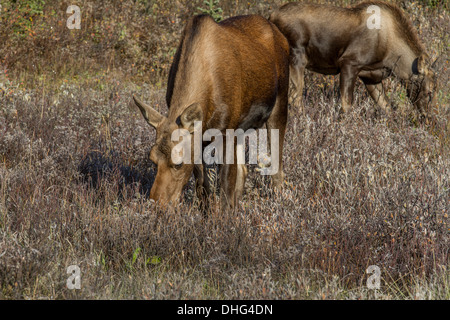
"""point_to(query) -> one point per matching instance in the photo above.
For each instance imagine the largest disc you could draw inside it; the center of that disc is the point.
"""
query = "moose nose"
(162, 199)
(155, 196)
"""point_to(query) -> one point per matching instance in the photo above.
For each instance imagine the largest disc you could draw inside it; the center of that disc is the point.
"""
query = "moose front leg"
(201, 186)
(376, 91)
(372, 81)
(232, 182)
(348, 78)
(227, 183)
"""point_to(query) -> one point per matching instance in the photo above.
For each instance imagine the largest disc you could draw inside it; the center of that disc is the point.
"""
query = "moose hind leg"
(298, 81)
(278, 120)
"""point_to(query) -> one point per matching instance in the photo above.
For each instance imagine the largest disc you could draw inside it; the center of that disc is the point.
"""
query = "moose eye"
(178, 166)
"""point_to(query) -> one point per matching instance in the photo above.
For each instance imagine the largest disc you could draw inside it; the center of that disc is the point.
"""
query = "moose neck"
(189, 88)
(403, 59)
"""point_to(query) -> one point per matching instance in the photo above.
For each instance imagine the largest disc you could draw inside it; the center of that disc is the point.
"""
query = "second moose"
(332, 40)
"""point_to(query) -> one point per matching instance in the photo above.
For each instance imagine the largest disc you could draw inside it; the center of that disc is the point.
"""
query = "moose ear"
(192, 114)
(153, 117)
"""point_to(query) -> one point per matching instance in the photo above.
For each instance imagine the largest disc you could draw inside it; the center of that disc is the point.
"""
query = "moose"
(228, 75)
(332, 40)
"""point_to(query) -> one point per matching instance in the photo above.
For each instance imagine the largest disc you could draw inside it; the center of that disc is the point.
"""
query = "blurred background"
(129, 39)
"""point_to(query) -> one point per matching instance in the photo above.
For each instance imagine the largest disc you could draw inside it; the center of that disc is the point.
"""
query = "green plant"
(212, 9)
(432, 3)
(153, 260)
(130, 264)
(22, 14)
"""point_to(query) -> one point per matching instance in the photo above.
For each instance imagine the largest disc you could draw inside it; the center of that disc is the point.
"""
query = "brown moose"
(332, 40)
(228, 75)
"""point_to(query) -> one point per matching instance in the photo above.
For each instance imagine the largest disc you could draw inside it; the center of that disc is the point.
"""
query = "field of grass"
(75, 174)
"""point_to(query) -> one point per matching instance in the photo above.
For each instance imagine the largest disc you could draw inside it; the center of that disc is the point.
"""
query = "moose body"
(332, 40)
(228, 75)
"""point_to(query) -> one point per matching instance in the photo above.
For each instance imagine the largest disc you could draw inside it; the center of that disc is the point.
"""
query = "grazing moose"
(228, 75)
(332, 40)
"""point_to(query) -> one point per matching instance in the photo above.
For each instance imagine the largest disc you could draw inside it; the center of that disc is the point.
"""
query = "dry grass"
(75, 177)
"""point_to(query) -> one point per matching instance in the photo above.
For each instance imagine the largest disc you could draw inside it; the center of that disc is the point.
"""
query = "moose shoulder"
(228, 75)
(333, 40)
